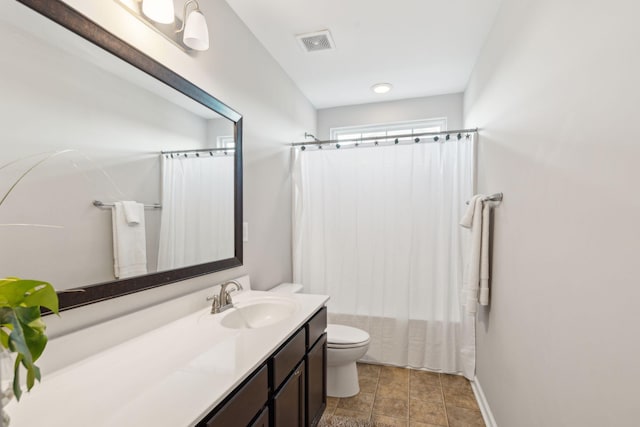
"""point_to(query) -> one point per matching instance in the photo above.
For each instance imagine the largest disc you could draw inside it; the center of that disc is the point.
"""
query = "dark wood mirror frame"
(72, 20)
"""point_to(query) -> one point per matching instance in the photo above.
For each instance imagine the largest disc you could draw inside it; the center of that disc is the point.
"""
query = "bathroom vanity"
(196, 372)
(290, 389)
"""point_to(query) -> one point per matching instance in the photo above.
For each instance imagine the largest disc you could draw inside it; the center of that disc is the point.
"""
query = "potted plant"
(22, 331)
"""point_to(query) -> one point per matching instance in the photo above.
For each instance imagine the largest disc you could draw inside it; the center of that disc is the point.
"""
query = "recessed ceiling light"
(381, 87)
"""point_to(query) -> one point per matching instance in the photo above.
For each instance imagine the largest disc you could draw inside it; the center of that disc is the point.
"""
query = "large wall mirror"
(116, 174)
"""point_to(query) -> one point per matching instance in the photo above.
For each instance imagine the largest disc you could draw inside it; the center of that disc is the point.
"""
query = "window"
(226, 142)
(389, 130)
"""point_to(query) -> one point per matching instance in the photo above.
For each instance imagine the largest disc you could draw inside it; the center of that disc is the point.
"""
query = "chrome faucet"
(223, 301)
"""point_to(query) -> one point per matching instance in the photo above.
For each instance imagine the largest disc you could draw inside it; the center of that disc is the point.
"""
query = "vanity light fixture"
(188, 34)
(196, 32)
(160, 11)
(381, 87)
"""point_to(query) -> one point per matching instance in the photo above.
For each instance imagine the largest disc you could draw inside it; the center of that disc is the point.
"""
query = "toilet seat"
(347, 346)
(341, 336)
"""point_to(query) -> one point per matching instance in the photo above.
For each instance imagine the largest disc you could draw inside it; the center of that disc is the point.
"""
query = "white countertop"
(171, 376)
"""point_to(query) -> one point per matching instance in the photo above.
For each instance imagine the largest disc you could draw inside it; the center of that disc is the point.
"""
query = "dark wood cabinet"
(289, 406)
(243, 405)
(316, 326)
(316, 381)
(263, 419)
(287, 358)
(289, 390)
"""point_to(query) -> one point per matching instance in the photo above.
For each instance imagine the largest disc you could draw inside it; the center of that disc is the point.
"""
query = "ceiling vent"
(313, 42)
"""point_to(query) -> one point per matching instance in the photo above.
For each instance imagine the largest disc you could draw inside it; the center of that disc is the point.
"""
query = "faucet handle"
(215, 305)
(228, 299)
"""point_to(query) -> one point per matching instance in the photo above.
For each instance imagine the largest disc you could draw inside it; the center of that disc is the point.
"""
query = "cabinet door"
(317, 381)
(242, 406)
(289, 402)
(262, 420)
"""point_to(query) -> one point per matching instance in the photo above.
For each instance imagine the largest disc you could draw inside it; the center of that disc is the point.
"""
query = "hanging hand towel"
(477, 219)
(132, 212)
(129, 242)
(484, 254)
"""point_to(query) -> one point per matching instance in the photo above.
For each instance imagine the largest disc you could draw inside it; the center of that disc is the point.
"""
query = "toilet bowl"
(345, 345)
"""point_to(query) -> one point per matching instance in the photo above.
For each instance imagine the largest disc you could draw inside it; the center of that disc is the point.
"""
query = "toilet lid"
(340, 334)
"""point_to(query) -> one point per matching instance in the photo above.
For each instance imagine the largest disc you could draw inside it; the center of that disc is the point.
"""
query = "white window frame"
(226, 141)
(410, 126)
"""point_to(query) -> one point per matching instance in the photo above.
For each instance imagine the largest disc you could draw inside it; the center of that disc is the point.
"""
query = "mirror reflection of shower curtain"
(377, 230)
(197, 210)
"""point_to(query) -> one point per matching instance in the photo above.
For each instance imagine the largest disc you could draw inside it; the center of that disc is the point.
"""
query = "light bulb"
(196, 33)
(159, 10)
(381, 87)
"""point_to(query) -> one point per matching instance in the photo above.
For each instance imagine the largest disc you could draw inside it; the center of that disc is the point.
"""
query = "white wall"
(556, 94)
(449, 106)
(238, 71)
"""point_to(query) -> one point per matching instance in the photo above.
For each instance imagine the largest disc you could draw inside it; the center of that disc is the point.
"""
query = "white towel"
(477, 219)
(484, 254)
(133, 211)
(129, 243)
(467, 219)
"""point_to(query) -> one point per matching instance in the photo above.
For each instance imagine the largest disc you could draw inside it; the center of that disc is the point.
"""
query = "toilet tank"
(287, 288)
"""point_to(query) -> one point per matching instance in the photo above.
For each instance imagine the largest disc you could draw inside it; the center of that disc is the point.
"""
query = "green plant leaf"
(14, 290)
(17, 340)
(33, 329)
(33, 374)
(4, 338)
(21, 327)
(17, 391)
(31, 379)
(43, 294)
(38, 375)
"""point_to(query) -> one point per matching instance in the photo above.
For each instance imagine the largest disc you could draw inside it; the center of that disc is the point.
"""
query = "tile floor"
(401, 397)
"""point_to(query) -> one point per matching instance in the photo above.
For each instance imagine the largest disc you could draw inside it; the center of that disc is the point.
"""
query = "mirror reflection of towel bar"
(101, 205)
(497, 197)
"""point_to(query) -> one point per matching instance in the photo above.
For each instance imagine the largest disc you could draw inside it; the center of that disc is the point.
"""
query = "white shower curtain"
(377, 230)
(197, 210)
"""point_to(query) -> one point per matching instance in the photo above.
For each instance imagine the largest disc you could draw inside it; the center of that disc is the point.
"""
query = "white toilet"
(345, 345)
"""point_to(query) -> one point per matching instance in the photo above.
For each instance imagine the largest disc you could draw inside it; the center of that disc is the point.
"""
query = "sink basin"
(258, 313)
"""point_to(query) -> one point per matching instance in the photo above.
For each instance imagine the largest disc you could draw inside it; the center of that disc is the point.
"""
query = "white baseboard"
(484, 405)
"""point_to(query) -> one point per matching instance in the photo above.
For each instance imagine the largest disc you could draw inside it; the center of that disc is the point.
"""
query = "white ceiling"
(422, 47)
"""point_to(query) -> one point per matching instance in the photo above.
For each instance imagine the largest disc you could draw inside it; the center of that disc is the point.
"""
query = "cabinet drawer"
(289, 402)
(316, 326)
(288, 358)
(244, 404)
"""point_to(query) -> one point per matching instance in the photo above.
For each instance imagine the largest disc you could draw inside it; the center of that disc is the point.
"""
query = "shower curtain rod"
(459, 133)
(199, 150)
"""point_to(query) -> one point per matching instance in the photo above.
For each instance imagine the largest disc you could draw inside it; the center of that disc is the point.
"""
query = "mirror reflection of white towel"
(129, 241)
(133, 212)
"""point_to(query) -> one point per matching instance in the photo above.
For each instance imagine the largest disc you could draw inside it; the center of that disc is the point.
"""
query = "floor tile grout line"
(375, 395)
(444, 402)
(409, 399)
